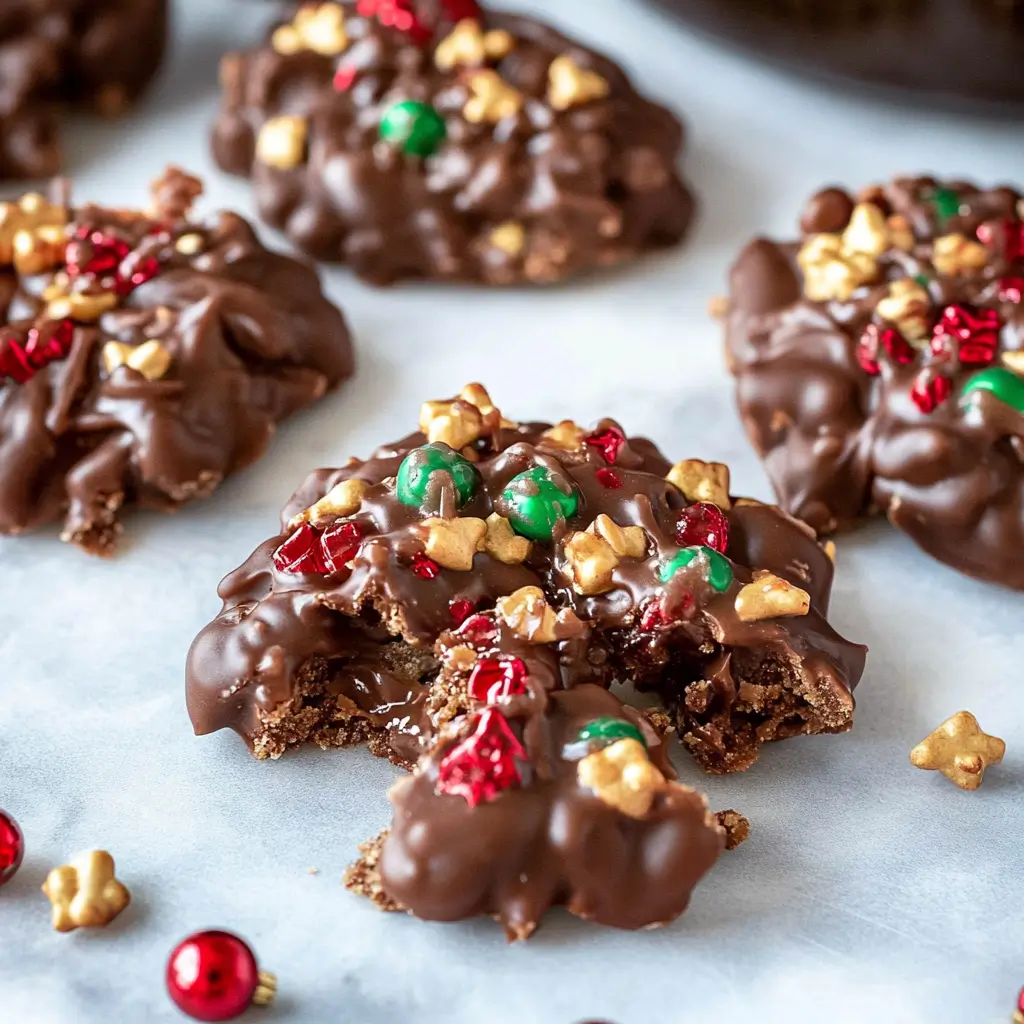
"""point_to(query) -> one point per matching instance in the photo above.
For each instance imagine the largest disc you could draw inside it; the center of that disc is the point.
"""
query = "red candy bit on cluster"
(609, 478)
(213, 976)
(424, 567)
(1013, 237)
(92, 251)
(972, 335)
(21, 361)
(135, 271)
(308, 550)
(654, 615)
(928, 395)
(495, 679)
(396, 14)
(12, 847)
(608, 442)
(1011, 289)
(876, 340)
(460, 610)
(478, 629)
(483, 765)
(340, 544)
(703, 524)
(344, 78)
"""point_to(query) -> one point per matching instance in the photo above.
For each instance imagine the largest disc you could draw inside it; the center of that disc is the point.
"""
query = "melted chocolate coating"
(840, 443)
(101, 53)
(593, 185)
(250, 340)
(344, 657)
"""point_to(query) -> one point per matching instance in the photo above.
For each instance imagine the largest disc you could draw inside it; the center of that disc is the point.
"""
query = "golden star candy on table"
(960, 750)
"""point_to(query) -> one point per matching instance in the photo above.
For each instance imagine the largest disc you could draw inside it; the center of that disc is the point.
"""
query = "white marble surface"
(869, 892)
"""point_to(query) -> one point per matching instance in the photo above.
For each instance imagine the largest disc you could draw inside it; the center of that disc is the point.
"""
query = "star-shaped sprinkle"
(960, 750)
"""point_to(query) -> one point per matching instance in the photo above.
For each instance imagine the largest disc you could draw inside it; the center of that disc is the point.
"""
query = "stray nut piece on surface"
(960, 750)
(622, 776)
(282, 142)
(625, 541)
(469, 46)
(503, 543)
(341, 501)
(569, 85)
(589, 563)
(770, 597)
(85, 893)
(527, 613)
(316, 27)
(150, 358)
(492, 98)
(452, 543)
(702, 481)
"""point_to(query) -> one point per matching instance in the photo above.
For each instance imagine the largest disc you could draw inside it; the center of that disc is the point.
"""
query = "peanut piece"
(590, 562)
(503, 543)
(831, 270)
(622, 776)
(456, 424)
(492, 98)
(150, 359)
(32, 213)
(468, 45)
(867, 231)
(527, 613)
(452, 543)
(955, 255)
(569, 85)
(626, 541)
(342, 500)
(317, 27)
(702, 481)
(901, 234)
(509, 237)
(770, 597)
(85, 893)
(82, 306)
(282, 142)
(567, 435)
(906, 306)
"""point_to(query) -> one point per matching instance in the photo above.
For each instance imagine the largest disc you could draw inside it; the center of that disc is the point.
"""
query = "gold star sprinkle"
(960, 750)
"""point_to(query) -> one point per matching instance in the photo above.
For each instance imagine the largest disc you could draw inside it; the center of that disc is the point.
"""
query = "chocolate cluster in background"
(435, 139)
(93, 53)
(145, 355)
(880, 366)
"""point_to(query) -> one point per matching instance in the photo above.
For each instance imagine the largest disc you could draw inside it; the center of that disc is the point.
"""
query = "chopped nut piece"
(867, 231)
(625, 541)
(476, 394)
(569, 85)
(31, 214)
(955, 255)
(452, 543)
(456, 424)
(83, 306)
(702, 481)
(567, 435)
(833, 271)
(907, 306)
(469, 46)
(85, 893)
(770, 597)
(622, 776)
(527, 613)
(340, 501)
(901, 235)
(509, 237)
(190, 244)
(960, 750)
(590, 561)
(830, 550)
(460, 658)
(282, 142)
(492, 98)
(40, 249)
(173, 194)
(317, 27)
(503, 543)
(150, 359)
(1015, 360)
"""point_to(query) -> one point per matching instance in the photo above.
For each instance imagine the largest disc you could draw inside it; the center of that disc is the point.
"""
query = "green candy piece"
(1002, 383)
(413, 482)
(535, 504)
(607, 730)
(719, 569)
(946, 203)
(417, 127)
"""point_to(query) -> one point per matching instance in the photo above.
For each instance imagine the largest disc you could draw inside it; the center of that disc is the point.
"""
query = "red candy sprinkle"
(20, 361)
(478, 629)
(483, 765)
(1013, 237)
(344, 78)
(212, 976)
(494, 679)
(425, 568)
(93, 252)
(652, 617)
(703, 524)
(12, 847)
(460, 610)
(301, 552)
(609, 478)
(974, 333)
(874, 341)
(1011, 289)
(340, 544)
(929, 395)
(608, 442)
(397, 14)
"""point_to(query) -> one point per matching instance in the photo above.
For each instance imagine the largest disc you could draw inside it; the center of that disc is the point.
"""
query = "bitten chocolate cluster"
(98, 53)
(462, 600)
(435, 139)
(880, 366)
(144, 356)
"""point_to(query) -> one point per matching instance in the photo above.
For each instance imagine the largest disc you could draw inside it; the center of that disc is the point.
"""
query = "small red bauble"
(608, 442)
(929, 395)
(424, 567)
(213, 976)
(874, 342)
(478, 629)
(301, 552)
(972, 335)
(494, 679)
(460, 610)
(483, 765)
(1011, 289)
(340, 544)
(344, 78)
(703, 524)
(12, 847)
(609, 478)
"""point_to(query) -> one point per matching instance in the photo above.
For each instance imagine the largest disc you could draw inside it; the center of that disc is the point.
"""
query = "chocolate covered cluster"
(880, 366)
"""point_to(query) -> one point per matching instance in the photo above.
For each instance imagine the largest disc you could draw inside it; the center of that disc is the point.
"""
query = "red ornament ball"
(213, 976)
(12, 847)
(703, 524)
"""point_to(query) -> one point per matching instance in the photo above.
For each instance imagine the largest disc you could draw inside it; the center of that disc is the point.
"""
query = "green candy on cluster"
(1003, 384)
(415, 127)
(946, 203)
(719, 569)
(534, 504)
(600, 733)
(413, 482)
